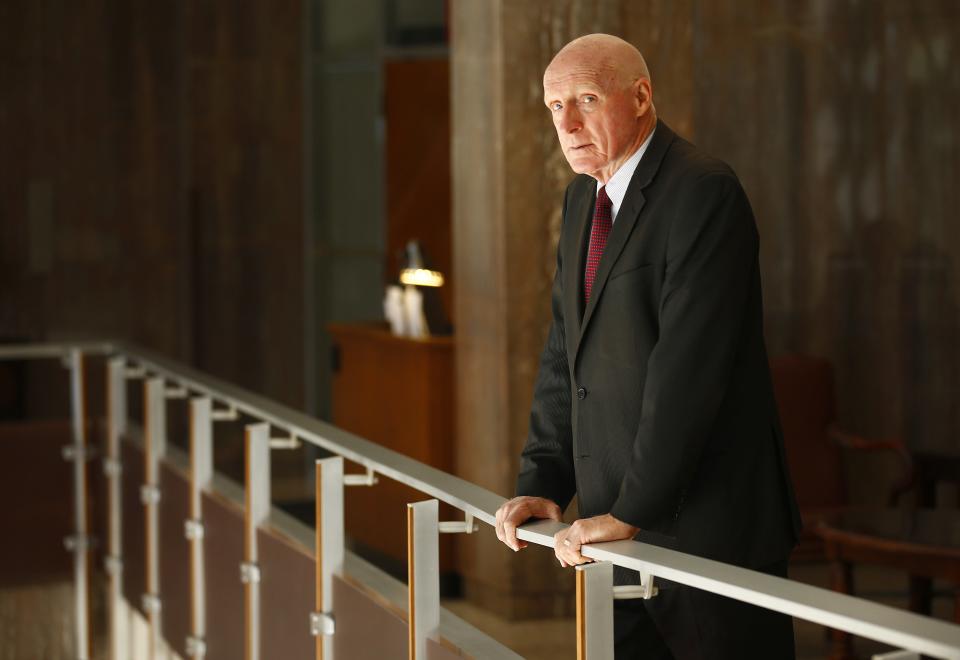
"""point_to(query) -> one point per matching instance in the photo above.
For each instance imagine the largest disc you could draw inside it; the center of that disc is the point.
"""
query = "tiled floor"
(36, 620)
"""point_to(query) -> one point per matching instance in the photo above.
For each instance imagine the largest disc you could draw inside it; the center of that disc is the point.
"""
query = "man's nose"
(569, 120)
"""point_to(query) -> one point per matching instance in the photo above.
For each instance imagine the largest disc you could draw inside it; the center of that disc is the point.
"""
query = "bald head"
(600, 97)
(611, 57)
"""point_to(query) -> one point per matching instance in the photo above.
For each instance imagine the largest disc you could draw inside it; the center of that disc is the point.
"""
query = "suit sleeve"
(711, 260)
(546, 463)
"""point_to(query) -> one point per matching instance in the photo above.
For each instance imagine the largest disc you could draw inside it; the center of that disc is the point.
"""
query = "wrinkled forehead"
(572, 71)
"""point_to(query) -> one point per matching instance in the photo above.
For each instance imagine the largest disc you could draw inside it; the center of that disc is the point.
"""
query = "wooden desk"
(399, 393)
(924, 543)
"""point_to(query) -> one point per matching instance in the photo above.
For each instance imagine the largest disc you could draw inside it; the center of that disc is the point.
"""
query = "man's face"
(595, 116)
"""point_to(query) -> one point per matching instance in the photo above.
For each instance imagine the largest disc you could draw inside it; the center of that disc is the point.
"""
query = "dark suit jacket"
(655, 402)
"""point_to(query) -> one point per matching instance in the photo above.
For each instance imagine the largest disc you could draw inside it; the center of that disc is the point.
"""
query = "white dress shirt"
(617, 185)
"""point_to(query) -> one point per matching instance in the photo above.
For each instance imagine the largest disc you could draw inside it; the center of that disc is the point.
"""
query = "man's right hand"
(519, 510)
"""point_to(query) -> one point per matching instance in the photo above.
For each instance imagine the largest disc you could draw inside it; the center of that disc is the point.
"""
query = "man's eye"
(555, 106)
(589, 99)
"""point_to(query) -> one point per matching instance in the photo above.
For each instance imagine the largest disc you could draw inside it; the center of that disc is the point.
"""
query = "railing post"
(201, 474)
(256, 510)
(113, 563)
(595, 611)
(423, 575)
(155, 425)
(329, 550)
(79, 543)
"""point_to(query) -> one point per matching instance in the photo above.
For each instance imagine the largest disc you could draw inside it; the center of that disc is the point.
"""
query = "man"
(653, 403)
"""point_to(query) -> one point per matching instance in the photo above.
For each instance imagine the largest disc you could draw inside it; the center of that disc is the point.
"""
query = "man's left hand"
(589, 530)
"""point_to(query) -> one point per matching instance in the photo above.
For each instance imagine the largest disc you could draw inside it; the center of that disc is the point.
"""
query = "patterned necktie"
(602, 223)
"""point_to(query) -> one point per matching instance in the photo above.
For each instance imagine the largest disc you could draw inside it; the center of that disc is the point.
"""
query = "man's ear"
(643, 93)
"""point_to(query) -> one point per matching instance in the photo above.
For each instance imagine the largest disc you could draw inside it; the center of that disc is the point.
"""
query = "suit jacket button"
(581, 393)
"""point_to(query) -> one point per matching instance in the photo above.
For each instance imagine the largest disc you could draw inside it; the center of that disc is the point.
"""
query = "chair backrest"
(805, 398)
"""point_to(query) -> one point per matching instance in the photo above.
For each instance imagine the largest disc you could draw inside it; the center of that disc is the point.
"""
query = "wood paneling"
(174, 557)
(286, 597)
(222, 555)
(133, 527)
(366, 628)
(36, 489)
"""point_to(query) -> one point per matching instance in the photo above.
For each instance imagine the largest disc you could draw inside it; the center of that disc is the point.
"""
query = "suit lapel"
(581, 214)
(627, 220)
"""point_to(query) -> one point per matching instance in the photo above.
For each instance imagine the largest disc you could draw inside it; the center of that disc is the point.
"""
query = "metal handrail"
(860, 617)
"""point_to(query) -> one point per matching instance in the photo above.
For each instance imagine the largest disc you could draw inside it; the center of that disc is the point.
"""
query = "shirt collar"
(617, 185)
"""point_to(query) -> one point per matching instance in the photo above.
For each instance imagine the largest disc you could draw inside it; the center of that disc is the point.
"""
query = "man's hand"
(589, 530)
(519, 510)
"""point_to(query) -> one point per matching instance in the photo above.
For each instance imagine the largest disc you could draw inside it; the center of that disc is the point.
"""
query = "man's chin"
(583, 165)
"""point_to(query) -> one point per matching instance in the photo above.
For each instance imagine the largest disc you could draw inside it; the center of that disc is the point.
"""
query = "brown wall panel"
(222, 555)
(36, 489)
(134, 559)
(366, 629)
(174, 557)
(287, 598)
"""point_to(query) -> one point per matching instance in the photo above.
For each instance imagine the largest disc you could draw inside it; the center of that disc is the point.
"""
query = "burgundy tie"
(602, 222)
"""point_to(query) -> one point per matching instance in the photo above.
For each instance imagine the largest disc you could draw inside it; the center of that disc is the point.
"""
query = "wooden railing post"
(256, 510)
(201, 474)
(329, 550)
(113, 562)
(423, 575)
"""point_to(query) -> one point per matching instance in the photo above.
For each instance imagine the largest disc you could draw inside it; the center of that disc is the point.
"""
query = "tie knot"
(603, 200)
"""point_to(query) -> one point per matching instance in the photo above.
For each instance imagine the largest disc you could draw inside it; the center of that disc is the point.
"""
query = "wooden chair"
(806, 400)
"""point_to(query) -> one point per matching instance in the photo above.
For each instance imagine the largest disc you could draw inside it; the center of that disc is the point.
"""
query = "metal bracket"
(192, 529)
(224, 415)
(369, 478)
(78, 542)
(465, 526)
(112, 565)
(112, 467)
(135, 372)
(179, 392)
(645, 590)
(249, 572)
(196, 647)
(75, 453)
(322, 624)
(150, 603)
(149, 494)
(293, 442)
